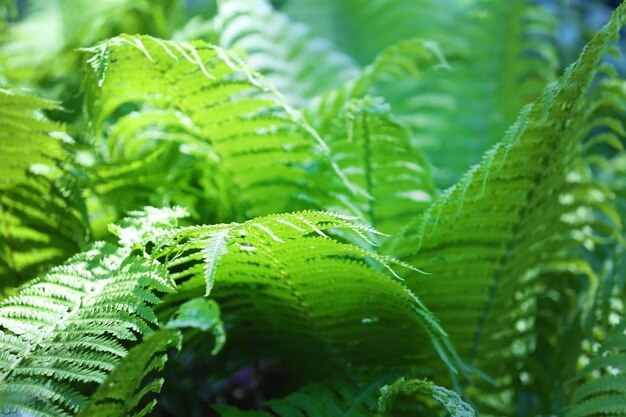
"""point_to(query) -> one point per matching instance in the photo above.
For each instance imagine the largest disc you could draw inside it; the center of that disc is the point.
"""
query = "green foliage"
(68, 329)
(267, 234)
(212, 115)
(40, 223)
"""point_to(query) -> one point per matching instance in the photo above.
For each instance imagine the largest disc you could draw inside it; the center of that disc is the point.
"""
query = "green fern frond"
(289, 56)
(501, 53)
(68, 330)
(254, 154)
(506, 232)
(442, 397)
(276, 278)
(40, 219)
(604, 389)
(366, 398)
(375, 154)
(123, 393)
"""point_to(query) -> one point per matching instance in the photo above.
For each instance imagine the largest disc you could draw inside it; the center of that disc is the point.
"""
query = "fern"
(67, 330)
(248, 147)
(504, 233)
(243, 276)
(500, 52)
(375, 154)
(124, 391)
(41, 48)
(604, 391)
(40, 218)
(280, 256)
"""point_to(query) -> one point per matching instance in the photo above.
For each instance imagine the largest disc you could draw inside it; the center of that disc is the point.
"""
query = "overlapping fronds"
(401, 63)
(503, 60)
(68, 329)
(277, 277)
(603, 391)
(39, 222)
(253, 154)
(375, 154)
(517, 224)
(124, 393)
(501, 53)
(299, 64)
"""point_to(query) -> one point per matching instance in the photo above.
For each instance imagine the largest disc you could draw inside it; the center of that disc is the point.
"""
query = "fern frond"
(291, 290)
(363, 30)
(501, 54)
(603, 390)
(506, 233)
(40, 222)
(286, 53)
(365, 398)
(67, 330)
(123, 393)
(375, 154)
(254, 154)
(401, 61)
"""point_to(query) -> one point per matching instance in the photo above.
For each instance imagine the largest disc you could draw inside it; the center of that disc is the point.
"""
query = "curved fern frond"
(435, 395)
(516, 224)
(375, 154)
(604, 389)
(365, 398)
(288, 288)
(403, 61)
(501, 53)
(69, 329)
(289, 56)
(40, 222)
(123, 393)
(254, 154)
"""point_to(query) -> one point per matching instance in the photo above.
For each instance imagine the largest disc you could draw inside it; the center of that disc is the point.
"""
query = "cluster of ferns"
(245, 208)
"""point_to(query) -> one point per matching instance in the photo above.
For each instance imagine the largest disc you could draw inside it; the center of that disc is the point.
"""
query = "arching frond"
(510, 229)
(276, 278)
(199, 103)
(375, 154)
(291, 58)
(67, 330)
(40, 223)
(501, 53)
